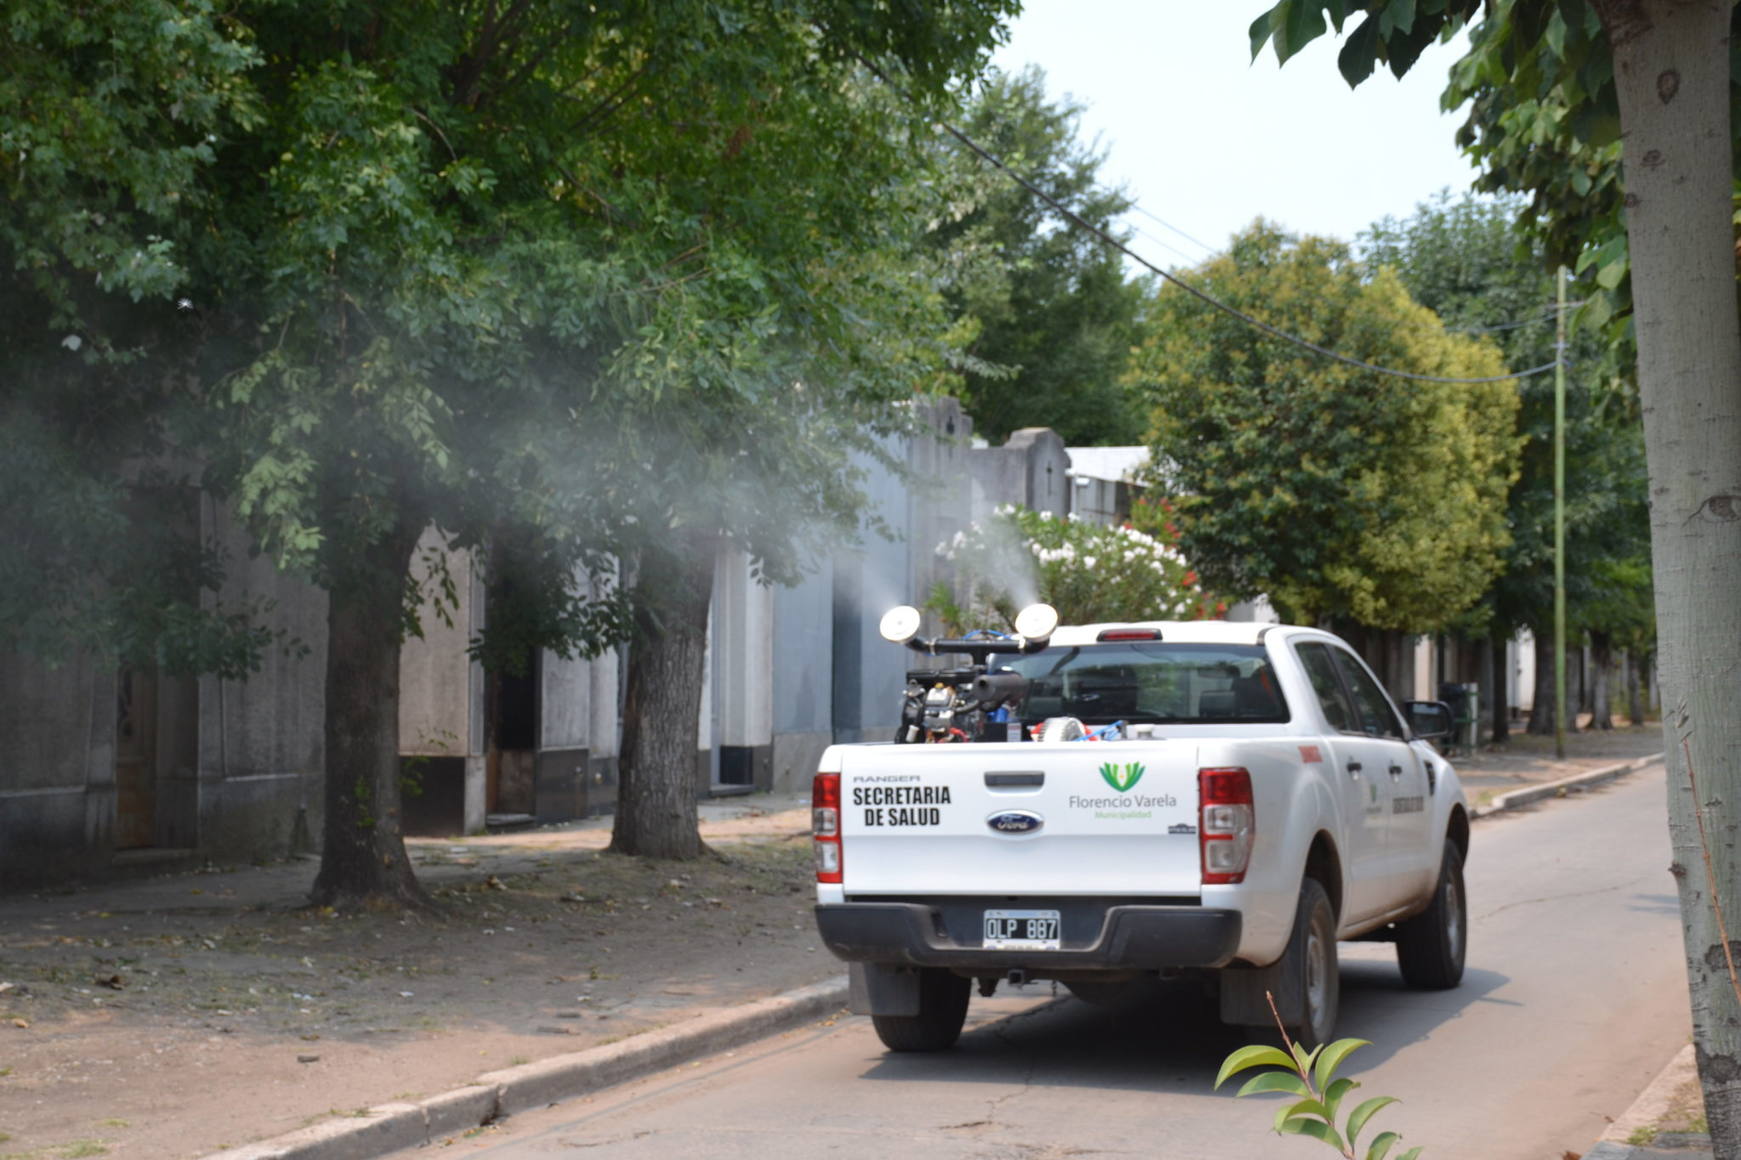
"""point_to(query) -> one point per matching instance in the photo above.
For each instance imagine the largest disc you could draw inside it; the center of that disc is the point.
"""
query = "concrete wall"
(437, 683)
(742, 677)
(1046, 468)
(1099, 501)
(57, 768)
(261, 740)
(802, 709)
(789, 671)
(235, 768)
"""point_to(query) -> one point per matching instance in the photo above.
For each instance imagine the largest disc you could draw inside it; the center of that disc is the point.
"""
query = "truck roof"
(1184, 631)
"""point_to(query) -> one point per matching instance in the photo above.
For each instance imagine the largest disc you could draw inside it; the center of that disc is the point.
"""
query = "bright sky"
(1207, 140)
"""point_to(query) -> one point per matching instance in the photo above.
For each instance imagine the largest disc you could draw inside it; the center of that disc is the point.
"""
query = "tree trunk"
(656, 810)
(1499, 684)
(1634, 689)
(1578, 664)
(1671, 73)
(1601, 663)
(363, 859)
(1541, 714)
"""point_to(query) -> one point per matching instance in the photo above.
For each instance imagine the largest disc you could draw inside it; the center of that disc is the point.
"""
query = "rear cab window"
(1150, 682)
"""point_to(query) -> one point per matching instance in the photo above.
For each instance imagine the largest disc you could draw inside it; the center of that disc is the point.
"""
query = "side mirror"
(1430, 720)
(1037, 622)
(900, 625)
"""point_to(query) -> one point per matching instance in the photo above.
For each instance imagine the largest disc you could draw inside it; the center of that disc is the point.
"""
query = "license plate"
(1021, 930)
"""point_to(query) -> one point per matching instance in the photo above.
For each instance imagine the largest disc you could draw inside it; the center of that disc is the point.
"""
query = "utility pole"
(1560, 520)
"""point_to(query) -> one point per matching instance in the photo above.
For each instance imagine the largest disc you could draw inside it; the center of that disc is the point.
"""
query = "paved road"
(1573, 1000)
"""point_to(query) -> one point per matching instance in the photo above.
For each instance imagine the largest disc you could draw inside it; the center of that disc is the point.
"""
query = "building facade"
(111, 770)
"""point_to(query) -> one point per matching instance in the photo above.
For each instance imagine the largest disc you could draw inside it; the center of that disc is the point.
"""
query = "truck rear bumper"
(1134, 937)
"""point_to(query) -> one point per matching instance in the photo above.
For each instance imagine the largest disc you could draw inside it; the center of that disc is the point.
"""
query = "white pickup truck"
(1262, 799)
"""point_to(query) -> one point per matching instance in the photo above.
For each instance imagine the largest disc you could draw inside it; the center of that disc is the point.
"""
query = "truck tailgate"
(1074, 818)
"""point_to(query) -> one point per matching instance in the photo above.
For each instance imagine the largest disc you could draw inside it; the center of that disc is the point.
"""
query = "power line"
(1548, 315)
(1156, 217)
(1165, 245)
(1080, 222)
(1274, 331)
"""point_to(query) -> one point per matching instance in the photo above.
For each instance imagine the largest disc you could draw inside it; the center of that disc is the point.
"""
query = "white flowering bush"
(1088, 572)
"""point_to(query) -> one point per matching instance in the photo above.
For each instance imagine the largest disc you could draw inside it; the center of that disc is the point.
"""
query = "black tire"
(1431, 945)
(1313, 972)
(942, 1011)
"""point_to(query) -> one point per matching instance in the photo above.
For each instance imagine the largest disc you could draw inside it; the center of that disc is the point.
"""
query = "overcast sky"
(1207, 140)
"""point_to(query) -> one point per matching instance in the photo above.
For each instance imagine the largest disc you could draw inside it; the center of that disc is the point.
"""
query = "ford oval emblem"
(1015, 822)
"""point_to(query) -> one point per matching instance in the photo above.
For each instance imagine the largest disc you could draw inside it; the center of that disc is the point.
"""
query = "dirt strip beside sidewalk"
(179, 1015)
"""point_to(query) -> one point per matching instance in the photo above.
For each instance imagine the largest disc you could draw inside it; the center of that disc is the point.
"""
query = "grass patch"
(76, 1150)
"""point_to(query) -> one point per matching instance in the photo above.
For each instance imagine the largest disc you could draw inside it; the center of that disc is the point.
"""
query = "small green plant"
(1311, 1077)
(83, 1149)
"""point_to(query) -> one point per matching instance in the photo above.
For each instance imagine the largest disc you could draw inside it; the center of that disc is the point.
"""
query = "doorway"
(156, 751)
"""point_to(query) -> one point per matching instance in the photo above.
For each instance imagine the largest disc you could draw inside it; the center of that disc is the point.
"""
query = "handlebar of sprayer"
(979, 650)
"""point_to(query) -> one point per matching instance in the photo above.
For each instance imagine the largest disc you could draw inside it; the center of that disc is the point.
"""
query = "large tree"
(1336, 491)
(1659, 73)
(558, 279)
(1047, 309)
(1469, 261)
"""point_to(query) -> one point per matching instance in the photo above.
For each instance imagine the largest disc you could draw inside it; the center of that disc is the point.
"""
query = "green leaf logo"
(1122, 778)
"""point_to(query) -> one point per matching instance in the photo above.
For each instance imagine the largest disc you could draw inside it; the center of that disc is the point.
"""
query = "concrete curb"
(392, 1127)
(1548, 789)
(1654, 1101)
(1647, 1109)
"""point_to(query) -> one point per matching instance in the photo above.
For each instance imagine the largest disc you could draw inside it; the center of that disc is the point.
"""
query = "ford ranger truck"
(1262, 799)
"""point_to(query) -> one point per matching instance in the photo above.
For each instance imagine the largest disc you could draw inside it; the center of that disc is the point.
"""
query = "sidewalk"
(179, 1015)
(1526, 761)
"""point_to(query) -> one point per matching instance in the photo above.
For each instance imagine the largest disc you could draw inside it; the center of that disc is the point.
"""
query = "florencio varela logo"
(1122, 777)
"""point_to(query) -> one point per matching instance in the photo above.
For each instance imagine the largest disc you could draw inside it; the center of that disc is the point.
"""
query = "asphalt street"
(1573, 1000)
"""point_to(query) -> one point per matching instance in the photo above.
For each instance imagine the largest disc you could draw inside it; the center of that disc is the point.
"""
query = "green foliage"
(1472, 262)
(1089, 572)
(1335, 491)
(1544, 120)
(1543, 115)
(1311, 1077)
(1048, 309)
(548, 276)
(110, 112)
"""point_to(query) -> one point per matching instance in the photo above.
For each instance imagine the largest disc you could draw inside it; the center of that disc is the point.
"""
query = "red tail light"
(1129, 634)
(825, 825)
(1227, 821)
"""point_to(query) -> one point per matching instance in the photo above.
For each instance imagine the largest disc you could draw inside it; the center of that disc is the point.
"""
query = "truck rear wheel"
(1430, 946)
(942, 1011)
(1317, 979)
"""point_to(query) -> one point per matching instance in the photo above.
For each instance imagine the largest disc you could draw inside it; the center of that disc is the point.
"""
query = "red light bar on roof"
(1129, 634)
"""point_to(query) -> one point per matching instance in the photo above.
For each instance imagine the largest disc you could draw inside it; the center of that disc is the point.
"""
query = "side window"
(1338, 711)
(1380, 719)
